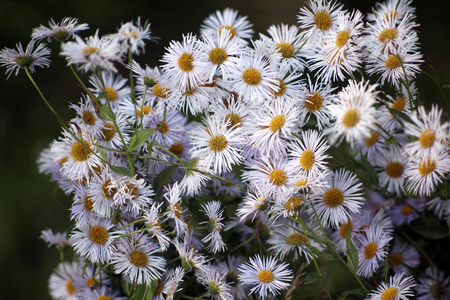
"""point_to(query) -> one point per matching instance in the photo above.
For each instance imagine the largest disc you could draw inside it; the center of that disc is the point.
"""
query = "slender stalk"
(242, 244)
(82, 83)
(425, 255)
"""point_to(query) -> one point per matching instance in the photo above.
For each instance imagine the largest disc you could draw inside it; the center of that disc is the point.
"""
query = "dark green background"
(29, 202)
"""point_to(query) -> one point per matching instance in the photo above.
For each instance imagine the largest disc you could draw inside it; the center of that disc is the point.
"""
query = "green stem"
(134, 222)
(242, 244)
(425, 255)
(82, 83)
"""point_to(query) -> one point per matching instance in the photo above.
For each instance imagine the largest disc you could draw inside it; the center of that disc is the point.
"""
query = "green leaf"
(311, 278)
(121, 170)
(139, 138)
(106, 113)
(358, 292)
(163, 177)
(433, 232)
(352, 253)
(373, 177)
(151, 289)
(139, 292)
(400, 114)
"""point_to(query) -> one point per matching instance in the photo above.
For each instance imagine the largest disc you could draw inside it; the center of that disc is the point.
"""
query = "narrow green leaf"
(352, 253)
(373, 177)
(107, 114)
(432, 232)
(311, 278)
(139, 138)
(400, 115)
(139, 292)
(151, 289)
(163, 178)
(344, 294)
(121, 170)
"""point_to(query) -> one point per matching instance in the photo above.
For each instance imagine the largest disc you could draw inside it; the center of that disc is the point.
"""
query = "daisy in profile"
(424, 174)
(186, 63)
(429, 131)
(174, 210)
(354, 113)
(402, 257)
(58, 239)
(215, 225)
(342, 196)
(314, 100)
(217, 146)
(433, 285)
(265, 276)
(319, 19)
(307, 156)
(392, 176)
(230, 268)
(58, 31)
(372, 249)
(222, 52)
(193, 180)
(95, 238)
(399, 288)
(153, 222)
(214, 281)
(61, 282)
(288, 41)
(133, 36)
(138, 261)
(168, 285)
(252, 78)
(102, 190)
(254, 202)
(93, 52)
(228, 19)
(272, 127)
(407, 212)
(14, 60)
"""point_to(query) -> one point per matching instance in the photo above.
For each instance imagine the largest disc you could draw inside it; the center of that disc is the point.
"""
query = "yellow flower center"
(350, 118)
(218, 143)
(296, 239)
(389, 294)
(307, 159)
(80, 152)
(396, 259)
(108, 132)
(132, 191)
(176, 208)
(98, 235)
(265, 276)
(393, 62)
(314, 102)
(88, 203)
(277, 177)
(333, 197)
(294, 203)
(103, 297)
(69, 287)
(322, 20)
(277, 123)
(426, 166)
(145, 111)
(281, 89)
(398, 104)
(90, 282)
(234, 119)
(343, 229)
(185, 62)
(406, 210)
(138, 258)
(301, 183)
(370, 141)
(160, 91)
(89, 118)
(342, 38)
(108, 191)
(251, 76)
(230, 28)
(89, 50)
(387, 35)
(285, 49)
(370, 250)
(177, 148)
(163, 129)
(427, 138)
(111, 94)
(394, 169)
(159, 288)
(218, 56)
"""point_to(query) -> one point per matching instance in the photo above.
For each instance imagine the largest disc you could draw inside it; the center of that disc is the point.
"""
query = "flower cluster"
(239, 163)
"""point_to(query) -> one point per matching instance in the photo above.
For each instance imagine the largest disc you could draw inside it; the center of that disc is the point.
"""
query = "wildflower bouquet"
(249, 168)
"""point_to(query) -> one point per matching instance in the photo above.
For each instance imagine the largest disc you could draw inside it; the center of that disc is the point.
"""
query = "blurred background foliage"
(29, 202)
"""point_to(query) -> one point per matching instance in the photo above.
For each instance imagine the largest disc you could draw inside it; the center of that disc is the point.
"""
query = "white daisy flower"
(190, 257)
(342, 197)
(92, 53)
(193, 180)
(94, 239)
(392, 8)
(193, 100)
(113, 84)
(87, 118)
(174, 211)
(171, 282)
(265, 275)
(440, 208)
(103, 293)
(407, 212)
(371, 250)
(433, 285)
(58, 31)
(133, 195)
(228, 19)
(217, 146)
(61, 282)
(230, 268)
(251, 204)
(14, 60)
(214, 281)
(58, 239)
(402, 257)
(289, 204)
(398, 288)
(186, 63)
(111, 137)
(170, 126)
(82, 207)
(102, 190)
(138, 261)
(153, 222)
(392, 175)
(354, 112)
(134, 36)
(215, 225)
